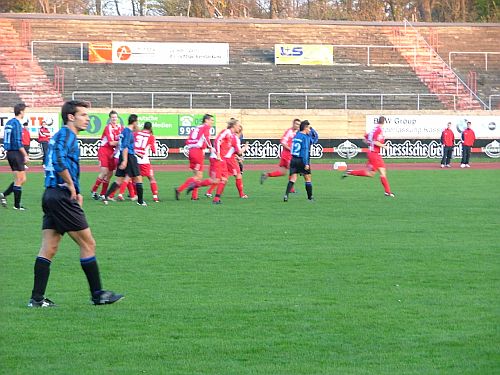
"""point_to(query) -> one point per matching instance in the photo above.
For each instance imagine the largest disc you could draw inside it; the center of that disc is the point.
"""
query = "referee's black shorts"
(62, 213)
(132, 169)
(297, 166)
(16, 160)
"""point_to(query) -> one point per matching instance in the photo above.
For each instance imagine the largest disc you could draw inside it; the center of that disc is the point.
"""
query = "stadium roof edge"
(236, 20)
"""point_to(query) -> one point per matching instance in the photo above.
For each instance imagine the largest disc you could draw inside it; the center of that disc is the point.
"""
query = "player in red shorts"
(198, 140)
(375, 140)
(286, 156)
(106, 153)
(225, 144)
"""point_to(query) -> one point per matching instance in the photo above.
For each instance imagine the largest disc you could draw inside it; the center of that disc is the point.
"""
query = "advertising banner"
(167, 53)
(34, 121)
(303, 54)
(100, 53)
(431, 126)
(271, 149)
(164, 125)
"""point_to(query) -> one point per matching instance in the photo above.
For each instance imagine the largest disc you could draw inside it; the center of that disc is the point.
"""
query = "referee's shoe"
(106, 297)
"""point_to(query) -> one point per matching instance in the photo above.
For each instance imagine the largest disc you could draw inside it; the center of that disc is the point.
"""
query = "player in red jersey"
(105, 154)
(197, 141)
(225, 145)
(375, 140)
(233, 161)
(286, 156)
(144, 141)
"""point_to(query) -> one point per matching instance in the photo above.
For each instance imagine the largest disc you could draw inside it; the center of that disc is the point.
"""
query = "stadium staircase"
(24, 75)
(433, 70)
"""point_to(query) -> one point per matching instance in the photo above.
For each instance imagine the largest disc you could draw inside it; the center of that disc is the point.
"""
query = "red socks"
(277, 173)
(239, 186)
(385, 183)
(359, 172)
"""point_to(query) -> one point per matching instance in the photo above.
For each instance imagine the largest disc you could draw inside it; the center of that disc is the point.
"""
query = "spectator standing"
(62, 207)
(26, 138)
(16, 156)
(43, 139)
(448, 141)
(468, 139)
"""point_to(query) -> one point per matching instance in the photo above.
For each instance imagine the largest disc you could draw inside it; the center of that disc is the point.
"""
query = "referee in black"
(62, 208)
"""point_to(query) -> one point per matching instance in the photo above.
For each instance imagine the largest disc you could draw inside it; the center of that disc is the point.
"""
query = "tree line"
(345, 10)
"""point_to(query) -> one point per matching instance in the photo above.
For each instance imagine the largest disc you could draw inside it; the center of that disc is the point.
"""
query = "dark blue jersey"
(12, 136)
(63, 153)
(127, 141)
(301, 144)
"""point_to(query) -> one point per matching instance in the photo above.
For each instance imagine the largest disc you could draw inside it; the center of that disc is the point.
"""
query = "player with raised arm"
(106, 154)
(197, 141)
(300, 163)
(286, 156)
(375, 140)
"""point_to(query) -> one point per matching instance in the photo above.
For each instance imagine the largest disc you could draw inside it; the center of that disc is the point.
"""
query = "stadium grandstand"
(45, 60)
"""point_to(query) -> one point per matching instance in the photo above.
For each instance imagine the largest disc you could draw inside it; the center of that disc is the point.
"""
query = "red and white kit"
(144, 142)
(286, 155)
(374, 159)
(106, 151)
(198, 140)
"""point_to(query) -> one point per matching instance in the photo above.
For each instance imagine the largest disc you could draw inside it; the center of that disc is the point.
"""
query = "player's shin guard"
(194, 194)
(359, 173)
(105, 185)
(277, 173)
(289, 187)
(211, 188)
(239, 186)
(309, 189)
(123, 187)
(186, 183)
(18, 191)
(9, 190)
(140, 192)
(131, 189)
(89, 266)
(154, 188)
(220, 190)
(97, 183)
(385, 183)
(41, 278)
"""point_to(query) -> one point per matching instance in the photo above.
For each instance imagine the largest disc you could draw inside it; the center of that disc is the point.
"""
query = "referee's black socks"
(9, 190)
(42, 272)
(89, 266)
(111, 189)
(140, 192)
(289, 187)
(18, 191)
(309, 189)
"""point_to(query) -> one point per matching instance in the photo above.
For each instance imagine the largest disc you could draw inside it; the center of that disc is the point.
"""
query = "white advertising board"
(34, 121)
(431, 126)
(170, 53)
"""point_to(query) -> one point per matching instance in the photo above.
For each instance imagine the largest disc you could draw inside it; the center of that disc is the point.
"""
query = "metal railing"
(450, 54)
(153, 94)
(351, 95)
(33, 42)
(492, 96)
(471, 93)
(370, 47)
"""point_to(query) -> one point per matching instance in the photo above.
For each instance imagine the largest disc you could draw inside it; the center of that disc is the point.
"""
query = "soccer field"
(354, 283)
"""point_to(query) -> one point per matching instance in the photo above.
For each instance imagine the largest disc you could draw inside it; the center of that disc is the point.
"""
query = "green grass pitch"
(355, 283)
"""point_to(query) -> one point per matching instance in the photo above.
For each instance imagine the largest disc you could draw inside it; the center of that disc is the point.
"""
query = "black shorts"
(132, 169)
(62, 213)
(16, 160)
(297, 166)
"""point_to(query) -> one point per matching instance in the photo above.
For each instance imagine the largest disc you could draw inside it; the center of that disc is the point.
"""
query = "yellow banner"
(303, 54)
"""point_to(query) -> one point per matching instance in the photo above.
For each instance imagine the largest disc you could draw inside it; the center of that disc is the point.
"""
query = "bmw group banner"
(303, 54)
(431, 126)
